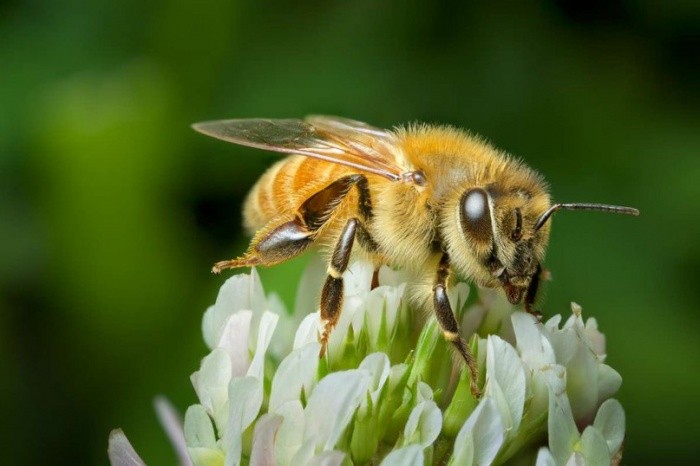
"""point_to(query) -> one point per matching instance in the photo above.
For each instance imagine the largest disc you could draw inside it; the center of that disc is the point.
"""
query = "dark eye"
(476, 214)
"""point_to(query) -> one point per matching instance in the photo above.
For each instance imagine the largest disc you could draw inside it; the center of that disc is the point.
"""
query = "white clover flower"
(390, 391)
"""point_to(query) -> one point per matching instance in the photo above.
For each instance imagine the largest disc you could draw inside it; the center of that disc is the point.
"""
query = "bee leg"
(375, 279)
(332, 293)
(317, 209)
(277, 242)
(369, 245)
(531, 294)
(448, 322)
(272, 245)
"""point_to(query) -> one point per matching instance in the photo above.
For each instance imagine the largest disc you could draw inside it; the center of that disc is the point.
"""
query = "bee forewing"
(342, 125)
(339, 141)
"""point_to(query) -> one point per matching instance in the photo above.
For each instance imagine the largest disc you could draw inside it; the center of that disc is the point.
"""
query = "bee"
(427, 199)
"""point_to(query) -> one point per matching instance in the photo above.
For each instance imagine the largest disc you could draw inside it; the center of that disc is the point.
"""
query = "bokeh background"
(112, 210)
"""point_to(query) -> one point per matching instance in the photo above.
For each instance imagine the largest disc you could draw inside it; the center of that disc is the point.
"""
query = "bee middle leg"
(448, 322)
(332, 293)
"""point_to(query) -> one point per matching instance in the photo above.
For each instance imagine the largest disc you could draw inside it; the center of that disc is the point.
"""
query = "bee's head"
(502, 234)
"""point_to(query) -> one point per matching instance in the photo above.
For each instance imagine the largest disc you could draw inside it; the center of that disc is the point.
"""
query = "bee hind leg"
(284, 239)
(242, 261)
(448, 322)
(272, 245)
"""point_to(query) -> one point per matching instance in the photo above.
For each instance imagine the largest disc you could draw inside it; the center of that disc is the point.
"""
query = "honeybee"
(428, 199)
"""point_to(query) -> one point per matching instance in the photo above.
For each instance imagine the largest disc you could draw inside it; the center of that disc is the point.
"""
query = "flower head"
(389, 390)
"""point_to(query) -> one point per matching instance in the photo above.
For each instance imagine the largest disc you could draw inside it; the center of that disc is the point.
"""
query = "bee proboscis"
(428, 199)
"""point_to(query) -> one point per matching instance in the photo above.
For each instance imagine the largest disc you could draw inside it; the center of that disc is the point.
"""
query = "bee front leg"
(332, 293)
(448, 322)
(531, 294)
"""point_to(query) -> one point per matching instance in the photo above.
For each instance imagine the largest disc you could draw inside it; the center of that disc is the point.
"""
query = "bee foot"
(475, 389)
(234, 264)
(324, 348)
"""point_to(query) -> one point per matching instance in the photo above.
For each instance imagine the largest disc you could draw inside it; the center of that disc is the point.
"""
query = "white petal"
(424, 392)
(547, 381)
(390, 277)
(211, 323)
(576, 459)
(609, 381)
(409, 430)
(395, 306)
(240, 292)
(534, 347)
(458, 295)
(463, 454)
(291, 433)
(610, 422)
(353, 309)
(358, 278)
(596, 339)
(211, 384)
(505, 381)
(575, 320)
(245, 400)
(170, 420)
(378, 366)
(265, 331)
(553, 322)
(281, 345)
(339, 393)
(544, 458)
(383, 300)
(527, 335)
(594, 447)
(199, 431)
(234, 339)
(563, 433)
(328, 458)
(481, 436)
(581, 377)
(424, 424)
(295, 373)
(410, 455)
(304, 454)
(263, 449)
(206, 456)
(488, 434)
(120, 451)
(310, 285)
(565, 344)
(308, 330)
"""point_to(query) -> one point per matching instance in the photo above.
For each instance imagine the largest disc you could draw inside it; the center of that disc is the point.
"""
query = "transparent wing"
(347, 126)
(335, 140)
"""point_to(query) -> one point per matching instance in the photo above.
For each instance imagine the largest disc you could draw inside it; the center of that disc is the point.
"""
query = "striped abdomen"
(286, 185)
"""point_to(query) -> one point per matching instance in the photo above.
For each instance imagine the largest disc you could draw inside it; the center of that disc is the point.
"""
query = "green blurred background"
(112, 210)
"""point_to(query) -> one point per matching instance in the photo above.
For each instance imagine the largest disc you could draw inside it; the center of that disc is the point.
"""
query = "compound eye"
(476, 214)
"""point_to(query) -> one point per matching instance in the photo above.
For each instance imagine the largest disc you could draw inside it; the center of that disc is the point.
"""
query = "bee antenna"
(616, 209)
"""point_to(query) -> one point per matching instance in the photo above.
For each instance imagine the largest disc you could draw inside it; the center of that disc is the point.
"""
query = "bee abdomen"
(284, 187)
